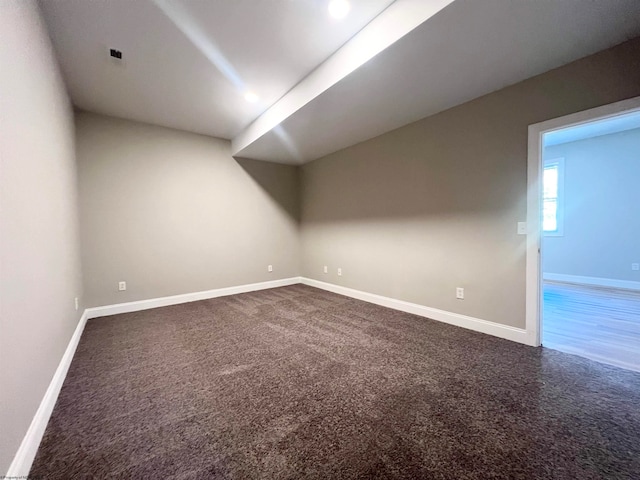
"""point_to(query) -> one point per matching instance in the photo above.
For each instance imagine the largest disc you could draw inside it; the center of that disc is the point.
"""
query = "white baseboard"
(596, 281)
(136, 306)
(26, 453)
(23, 460)
(519, 335)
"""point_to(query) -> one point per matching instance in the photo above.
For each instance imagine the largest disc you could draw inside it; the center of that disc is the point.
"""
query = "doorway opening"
(583, 252)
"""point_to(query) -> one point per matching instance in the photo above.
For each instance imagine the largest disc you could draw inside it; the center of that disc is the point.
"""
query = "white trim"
(26, 453)
(597, 281)
(496, 329)
(136, 306)
(534, 195)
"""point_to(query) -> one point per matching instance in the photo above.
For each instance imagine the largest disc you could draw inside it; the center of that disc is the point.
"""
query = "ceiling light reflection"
(251, 97)
(339, 8)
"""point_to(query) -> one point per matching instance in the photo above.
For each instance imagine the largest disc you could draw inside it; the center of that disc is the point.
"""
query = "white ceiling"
(468, 49)
(187, 63)
(606, 126)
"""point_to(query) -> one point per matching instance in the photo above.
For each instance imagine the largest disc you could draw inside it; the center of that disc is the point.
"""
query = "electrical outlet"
(635, 266)
(326, 269)
(339, 272)
(75, 301)
(270, 268)
(122, 286)
(460, 293)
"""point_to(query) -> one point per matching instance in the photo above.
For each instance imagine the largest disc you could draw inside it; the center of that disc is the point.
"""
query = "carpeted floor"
(296, 383)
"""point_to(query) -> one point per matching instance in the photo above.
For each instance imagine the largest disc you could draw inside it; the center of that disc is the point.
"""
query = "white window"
(553, 197)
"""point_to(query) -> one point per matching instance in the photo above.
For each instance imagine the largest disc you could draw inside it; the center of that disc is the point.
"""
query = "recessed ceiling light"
(339, 8)
(251, 97)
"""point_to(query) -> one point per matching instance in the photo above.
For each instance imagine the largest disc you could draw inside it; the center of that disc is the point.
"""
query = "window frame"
(560, 198)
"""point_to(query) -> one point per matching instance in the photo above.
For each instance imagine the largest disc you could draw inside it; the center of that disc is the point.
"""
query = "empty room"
(285, 239)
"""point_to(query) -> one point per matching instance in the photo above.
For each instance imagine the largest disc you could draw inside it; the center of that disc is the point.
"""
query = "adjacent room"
(320, 239)
(590, 251)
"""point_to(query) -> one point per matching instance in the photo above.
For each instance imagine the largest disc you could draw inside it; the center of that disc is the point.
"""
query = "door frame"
(533, 299)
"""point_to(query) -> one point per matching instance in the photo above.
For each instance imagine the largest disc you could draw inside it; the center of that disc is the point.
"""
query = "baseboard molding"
(26, 453)
(23, 459)
(139, 305)
(595, 281)
(491, 328)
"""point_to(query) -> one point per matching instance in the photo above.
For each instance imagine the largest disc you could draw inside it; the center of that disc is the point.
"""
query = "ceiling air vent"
(115, 53)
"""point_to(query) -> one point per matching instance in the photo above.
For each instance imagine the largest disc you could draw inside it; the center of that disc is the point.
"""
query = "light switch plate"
(522, 228)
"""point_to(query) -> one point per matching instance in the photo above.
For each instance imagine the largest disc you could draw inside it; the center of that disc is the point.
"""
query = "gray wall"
(39, 254)
(419, 211)
(171, 212)
(601, 236)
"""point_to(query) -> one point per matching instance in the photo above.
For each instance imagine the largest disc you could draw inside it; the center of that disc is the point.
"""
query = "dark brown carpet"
(296, 382)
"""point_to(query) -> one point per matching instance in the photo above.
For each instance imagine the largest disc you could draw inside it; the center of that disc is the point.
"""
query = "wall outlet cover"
(522, 228)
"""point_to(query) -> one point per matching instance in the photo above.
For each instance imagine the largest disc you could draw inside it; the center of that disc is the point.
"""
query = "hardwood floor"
(602, 324)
